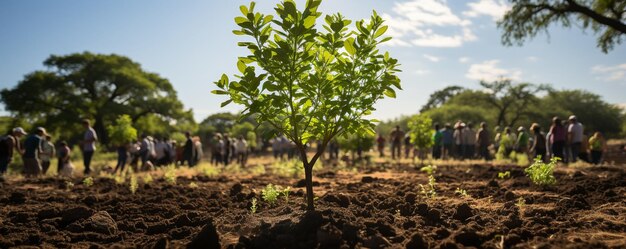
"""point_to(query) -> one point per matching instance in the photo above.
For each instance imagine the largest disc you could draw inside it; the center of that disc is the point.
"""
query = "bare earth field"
(367, 209)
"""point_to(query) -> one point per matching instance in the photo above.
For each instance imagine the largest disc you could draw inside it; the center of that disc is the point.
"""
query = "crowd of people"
(37, 151)
(565, 139)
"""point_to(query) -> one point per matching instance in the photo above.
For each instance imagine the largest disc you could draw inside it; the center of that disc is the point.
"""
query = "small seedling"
(88, 182)
(521, 202)
(69, 185)
(430, 191)
(253, 206)
(461, 192)
(541, 173)
(503, 175)
(193, 185)
(133, 184)
(286, 194)
(270, 194)
(430, 169)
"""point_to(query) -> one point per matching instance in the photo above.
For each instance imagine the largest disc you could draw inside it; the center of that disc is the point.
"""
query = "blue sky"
(438, 43)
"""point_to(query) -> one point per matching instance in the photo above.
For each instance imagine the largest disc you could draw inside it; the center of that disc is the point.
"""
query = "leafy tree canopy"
(529, 17)
(95, 86)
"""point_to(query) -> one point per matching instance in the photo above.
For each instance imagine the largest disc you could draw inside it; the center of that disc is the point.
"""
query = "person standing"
(538, 148)
(597, 144)
(65, 167)
(228, 149)
(497, 138)
(521, 144)
(8, 145)
(188, 150)
(482, 139)
(557, 137)
(47, 152)
(122, 156)
(396, 142)
(575, 132)
(437, 142)
(89, 145)
(407, 146)
(380, 142)
(447, 139)
(469, 137)
(459, 141)
(241, 149)
(32, 150)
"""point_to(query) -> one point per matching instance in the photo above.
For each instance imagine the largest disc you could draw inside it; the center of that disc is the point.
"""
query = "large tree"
(93, 86)
(310, 84)
(440, 97)
(512, 102)
(526, 18)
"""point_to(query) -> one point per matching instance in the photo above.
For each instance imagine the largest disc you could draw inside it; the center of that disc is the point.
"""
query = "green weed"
(429, 191)
(88, 182)
(270, 193)
(461, 192)
(541, 173)
(503, 175)
(285, 193)
(253, 206)
(430, 169)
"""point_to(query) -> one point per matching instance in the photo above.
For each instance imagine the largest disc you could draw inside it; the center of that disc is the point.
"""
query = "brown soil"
(585, 209)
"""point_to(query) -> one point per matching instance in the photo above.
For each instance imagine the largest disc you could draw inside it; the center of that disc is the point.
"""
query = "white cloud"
(610, 73)
(414, 21)
(464, 59)
(494, 8)
(421, 72)
(532, 58)
(432, 58)
(489, 71)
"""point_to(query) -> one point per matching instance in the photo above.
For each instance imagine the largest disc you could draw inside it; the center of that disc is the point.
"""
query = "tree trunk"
(308, 178)
(101, 130)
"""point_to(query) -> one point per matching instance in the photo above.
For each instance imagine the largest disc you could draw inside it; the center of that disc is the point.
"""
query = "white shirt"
(89, 135)
(577, 132)
(241, 146)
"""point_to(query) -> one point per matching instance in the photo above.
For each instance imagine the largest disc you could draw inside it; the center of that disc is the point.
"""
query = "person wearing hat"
(575, 132)
(47, 153)
(32, 149)
(539, 147)
(8, 144)
(522, 140)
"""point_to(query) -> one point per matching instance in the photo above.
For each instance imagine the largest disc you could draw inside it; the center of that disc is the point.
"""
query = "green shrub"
(541, 173)
(270, 193)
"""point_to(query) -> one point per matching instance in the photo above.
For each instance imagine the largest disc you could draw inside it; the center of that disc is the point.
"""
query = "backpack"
(6, 142)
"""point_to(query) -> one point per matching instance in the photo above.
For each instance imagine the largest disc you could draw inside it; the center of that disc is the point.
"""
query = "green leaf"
(309, 21)
(380, 31)
(240, 20)
(223, 81)
(238, 32)
(390, 93)
(241, 66)
(244, 9)
(219, 92)
(349, 45)
(225, 103)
